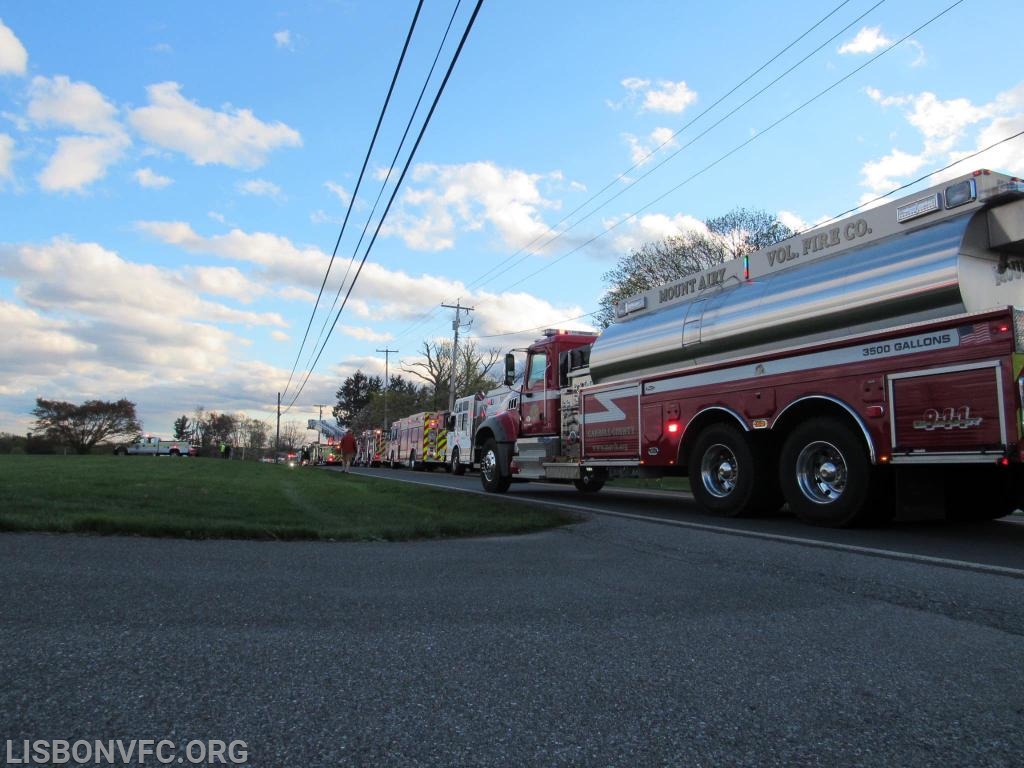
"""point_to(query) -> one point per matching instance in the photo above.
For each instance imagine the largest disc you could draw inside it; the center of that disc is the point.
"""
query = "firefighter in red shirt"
(348, 450)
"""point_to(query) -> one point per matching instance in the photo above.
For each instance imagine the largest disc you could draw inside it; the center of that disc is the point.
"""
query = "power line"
(740, 146)
(667, 141)
(387, 178)
(703, 133)
(918, 180)
(398, 186)
(424, 317)
(837, 216)
(359, 181)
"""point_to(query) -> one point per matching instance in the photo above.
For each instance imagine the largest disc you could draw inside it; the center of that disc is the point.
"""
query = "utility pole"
(319, 436)
(455, 349)
(387, 384)
(277, 438)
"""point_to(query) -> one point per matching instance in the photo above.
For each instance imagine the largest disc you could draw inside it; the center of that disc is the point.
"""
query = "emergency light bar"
(549, 332)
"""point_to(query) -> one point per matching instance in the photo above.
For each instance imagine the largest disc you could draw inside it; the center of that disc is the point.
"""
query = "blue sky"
(173, 177)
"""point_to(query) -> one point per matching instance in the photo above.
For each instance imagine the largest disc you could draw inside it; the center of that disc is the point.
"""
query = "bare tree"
(471, 371)
(292, 433)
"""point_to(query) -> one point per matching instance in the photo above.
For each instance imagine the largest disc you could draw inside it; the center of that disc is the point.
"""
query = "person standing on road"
(348, 450)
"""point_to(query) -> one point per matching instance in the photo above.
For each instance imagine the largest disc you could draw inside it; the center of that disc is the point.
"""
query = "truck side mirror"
(450, 423)
(510, 369)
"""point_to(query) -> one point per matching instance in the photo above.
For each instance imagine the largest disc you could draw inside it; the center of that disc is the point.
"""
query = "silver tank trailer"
(936, 271)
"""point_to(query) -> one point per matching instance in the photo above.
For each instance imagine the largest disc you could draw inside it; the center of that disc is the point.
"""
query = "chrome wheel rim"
(821, 472)
(719, 471)
(489, 466)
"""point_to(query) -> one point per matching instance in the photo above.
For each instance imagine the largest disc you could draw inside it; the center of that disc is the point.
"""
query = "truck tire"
(456, 466)
(725, 477)
(591, 482)
(826, 476)
(491, 477)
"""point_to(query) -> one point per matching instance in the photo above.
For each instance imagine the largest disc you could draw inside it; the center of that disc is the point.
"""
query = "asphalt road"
(614, 642)
(996, 545)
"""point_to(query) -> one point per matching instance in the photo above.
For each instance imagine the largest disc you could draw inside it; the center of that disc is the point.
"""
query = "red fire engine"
(873, 361)
(369, 448)
(419, 441)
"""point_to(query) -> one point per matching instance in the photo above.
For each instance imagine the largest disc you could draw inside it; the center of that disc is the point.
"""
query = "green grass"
(208, 498)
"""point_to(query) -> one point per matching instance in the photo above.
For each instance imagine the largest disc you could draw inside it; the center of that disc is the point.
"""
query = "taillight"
(672, 427)
(1018, 329)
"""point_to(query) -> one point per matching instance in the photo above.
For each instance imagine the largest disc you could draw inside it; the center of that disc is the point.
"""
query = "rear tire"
(725, 476)
(491, 477)
(591, 482)
(826, 476)
(457, 467)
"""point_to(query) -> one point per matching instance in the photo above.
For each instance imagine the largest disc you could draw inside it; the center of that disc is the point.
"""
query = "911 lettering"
(948, 418)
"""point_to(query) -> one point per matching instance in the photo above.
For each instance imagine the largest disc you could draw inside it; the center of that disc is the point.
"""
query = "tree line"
(362, 403)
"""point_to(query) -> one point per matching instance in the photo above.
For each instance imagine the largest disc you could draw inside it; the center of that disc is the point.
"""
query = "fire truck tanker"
(871, 362)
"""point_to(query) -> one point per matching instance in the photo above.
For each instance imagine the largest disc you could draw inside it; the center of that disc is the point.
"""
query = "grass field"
(208, 498)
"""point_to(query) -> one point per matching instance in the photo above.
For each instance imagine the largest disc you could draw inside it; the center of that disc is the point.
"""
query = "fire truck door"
(540, 400)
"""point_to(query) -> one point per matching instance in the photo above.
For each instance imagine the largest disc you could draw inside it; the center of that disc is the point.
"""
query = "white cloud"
(343, 194)
(13, 56)
(320, 216)
(81, 160)
(442, 200)
(280, 261)
(60, 102)
(867, 40)
(634, 233)
(233, 137)
(37, 337)
(260, 188)
(283, 39)
(641, 152)
(364, 334)
(6, 157)
(669, 97)
(90, 321)
(147, 177)
(666, 96)
(793, 221)
(86, 278)
(296, 274)
(225, 281)
(78, 161)
(884, 174)
(943, 126)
